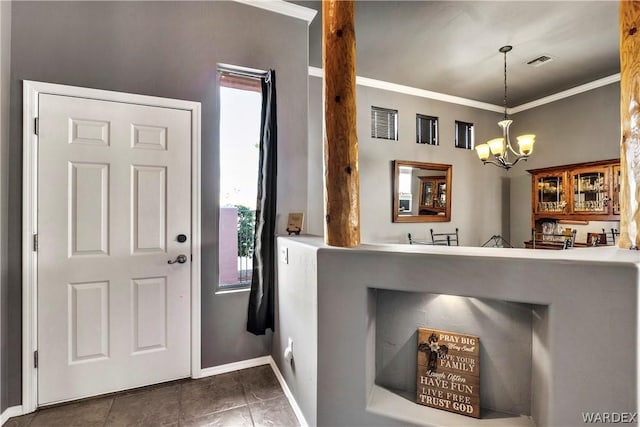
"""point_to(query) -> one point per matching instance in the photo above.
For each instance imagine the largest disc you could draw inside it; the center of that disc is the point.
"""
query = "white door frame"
(31, 91)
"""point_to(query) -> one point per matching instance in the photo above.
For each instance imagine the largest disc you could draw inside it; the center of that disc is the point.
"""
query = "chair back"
(413, 241)
(613, 233)
(569, 237)
(445, 239)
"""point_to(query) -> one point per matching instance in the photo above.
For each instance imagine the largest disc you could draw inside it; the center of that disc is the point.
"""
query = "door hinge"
(36, 125)
(35, 243)
(35, 359)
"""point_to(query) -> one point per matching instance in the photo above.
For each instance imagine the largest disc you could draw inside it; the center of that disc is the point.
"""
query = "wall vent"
(540, 60)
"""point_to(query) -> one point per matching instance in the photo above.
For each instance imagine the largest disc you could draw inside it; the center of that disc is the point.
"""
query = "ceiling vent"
(544, 59)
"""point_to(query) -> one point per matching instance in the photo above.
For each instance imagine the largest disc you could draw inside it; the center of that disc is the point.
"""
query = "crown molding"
(284, 8)
(408, 90)
(566, 93)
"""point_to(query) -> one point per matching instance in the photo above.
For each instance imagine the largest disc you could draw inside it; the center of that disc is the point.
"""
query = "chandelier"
(501, 147)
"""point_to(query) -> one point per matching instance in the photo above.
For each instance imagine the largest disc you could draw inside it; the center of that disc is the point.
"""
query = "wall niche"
(509, 332)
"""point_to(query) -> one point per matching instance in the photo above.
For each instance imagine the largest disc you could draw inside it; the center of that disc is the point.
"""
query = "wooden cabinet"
(582, 192)
(616, 190)
(549, 193)
(433, 195)
(578, 192)
(591, 190)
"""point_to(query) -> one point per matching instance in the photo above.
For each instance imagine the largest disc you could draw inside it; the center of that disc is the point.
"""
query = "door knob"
(180, 259)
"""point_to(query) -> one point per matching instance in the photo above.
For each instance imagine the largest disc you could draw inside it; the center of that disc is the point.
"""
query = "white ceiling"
(451, 47)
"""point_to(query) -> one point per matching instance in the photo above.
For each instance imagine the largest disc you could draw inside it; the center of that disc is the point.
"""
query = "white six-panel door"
(114, 192)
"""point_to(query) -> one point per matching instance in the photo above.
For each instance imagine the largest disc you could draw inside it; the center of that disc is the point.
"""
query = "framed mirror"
(421, 192)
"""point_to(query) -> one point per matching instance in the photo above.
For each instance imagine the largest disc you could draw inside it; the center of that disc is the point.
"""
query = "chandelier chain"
(505, 85)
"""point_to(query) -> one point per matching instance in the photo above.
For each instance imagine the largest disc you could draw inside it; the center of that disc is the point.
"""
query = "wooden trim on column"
(342, 181)
(630, 123)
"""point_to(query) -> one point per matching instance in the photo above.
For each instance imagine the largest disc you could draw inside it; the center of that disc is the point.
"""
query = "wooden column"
(341, 177)
(630, 123)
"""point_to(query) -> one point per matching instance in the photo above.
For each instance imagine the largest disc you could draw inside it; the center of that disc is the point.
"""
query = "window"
(426, 129)
(240, 113)
(384, 123)
(464, 135)
(404, 189)
(404, 184)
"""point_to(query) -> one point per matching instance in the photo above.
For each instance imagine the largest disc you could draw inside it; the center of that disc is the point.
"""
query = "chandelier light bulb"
(483, 151)
(525, 142)
(496, 145)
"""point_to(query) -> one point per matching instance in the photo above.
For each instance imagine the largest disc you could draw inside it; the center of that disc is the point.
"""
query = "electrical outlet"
(284, 255)
(288, 352)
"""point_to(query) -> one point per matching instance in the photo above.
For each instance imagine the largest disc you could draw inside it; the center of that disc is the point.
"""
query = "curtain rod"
(242, 71)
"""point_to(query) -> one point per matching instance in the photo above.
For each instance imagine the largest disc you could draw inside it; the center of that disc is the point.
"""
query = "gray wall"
(297, 318)
(580, 128)
(166, 49)
(485, 200)
(600, 301)
(479, 193)
(5, 58)
(505, 344)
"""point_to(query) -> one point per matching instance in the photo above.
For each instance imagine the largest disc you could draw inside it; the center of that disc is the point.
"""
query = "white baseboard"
(14, 411)
(235, 366)
(287, 392)
(252, 363)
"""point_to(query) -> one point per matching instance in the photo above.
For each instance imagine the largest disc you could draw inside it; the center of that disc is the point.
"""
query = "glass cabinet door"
(590, 191)
(441, 201)
(550, 196)
(616, 190)
(427, 193)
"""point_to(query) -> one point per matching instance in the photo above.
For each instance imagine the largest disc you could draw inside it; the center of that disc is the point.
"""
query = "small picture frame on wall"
(294, 223)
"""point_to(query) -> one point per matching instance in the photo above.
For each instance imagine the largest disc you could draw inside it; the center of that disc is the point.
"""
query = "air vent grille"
(540, 60)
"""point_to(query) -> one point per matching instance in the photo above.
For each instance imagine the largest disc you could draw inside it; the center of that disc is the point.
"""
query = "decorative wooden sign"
(294, 222)
(449, 371)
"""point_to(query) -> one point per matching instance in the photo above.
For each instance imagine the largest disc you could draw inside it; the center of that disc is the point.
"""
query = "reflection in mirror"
(422, 192)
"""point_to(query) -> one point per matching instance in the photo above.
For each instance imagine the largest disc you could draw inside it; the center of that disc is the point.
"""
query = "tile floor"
(250, 397)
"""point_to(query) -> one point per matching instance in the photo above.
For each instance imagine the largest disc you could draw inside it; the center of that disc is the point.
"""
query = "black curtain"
(261, 299)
